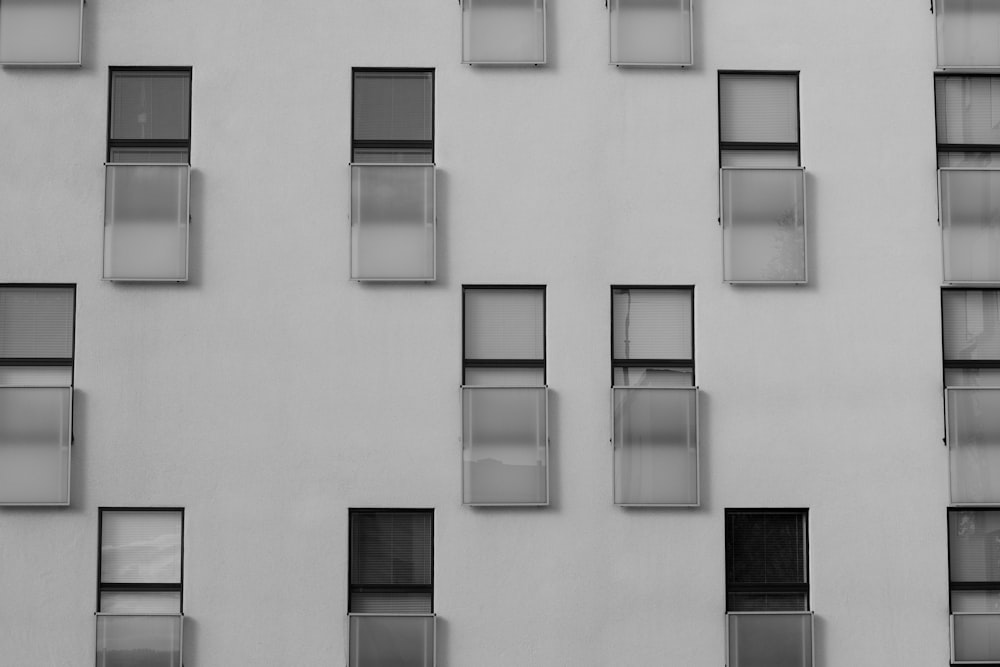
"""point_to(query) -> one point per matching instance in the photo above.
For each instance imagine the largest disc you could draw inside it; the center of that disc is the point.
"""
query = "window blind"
(150, 105)
(393, 106)
(758, 108)
(391, 561)
(765, 548)
(505, 324)
(652, 324)
(36, 322)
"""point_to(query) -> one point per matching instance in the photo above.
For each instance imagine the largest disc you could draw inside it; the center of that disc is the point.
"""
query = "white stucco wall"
(270, 394)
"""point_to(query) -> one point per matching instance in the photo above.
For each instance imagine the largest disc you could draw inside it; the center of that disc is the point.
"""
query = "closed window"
(34, 33)
(651, 32)
(967, 33)
(974, 583)
(503, 32)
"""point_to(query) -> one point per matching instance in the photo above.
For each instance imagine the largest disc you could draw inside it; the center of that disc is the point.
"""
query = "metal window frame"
(55, 64)
(46, 361)
(176, 144)
(611, 4)
(388, 144)
(761, 145)
(508, 363)
(624, 363)
(510, 63)
(803, 587)
(959, 148)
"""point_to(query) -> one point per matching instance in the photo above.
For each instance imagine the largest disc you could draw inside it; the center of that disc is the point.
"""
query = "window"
(391, 591)
(654, 397)
(140, 586)
(967, 33)
(968, 147)
(393, 200)
(36, 393)
(147, 179)
(505, 446)
(974, 583)
(762, 182)
(767, 588)
(41, 33)
(651, 32)
(971, 337)
(503, 32)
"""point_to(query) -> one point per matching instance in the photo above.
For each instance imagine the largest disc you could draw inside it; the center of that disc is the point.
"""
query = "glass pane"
(150, 105)
(968, 109)
(974, 444)
(392, 602)
(970, 224)
(503, 31)
(770, 640)
(763, 225)
(504, 323)
(141, 602)
(38, 32)
(972, 377)
(656, 446)
(651, 32)
(505, 445)
(632, 376)
(150, 641)
(35, 428)
(761, 601)
(36, 322)
(765, 547)
(975, 601)
(141, 547)
(146, 222)
(652, 323)
(976, 637)
(972, 159)
(393, 106)
(391, 548)
(505, 377)
(397, 156)
(759, 107)
(399, 641)
(392, 222)
(971, 324)
(974, 545)
(150, 155)
(760, 158)
(968, 33)
(36, 376)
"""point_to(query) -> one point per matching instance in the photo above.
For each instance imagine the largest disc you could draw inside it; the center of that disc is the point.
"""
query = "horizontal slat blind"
(391, 548)
(974, 545)
(505, 324)
(36, 322)
(652, 324)
(758, 107)
(968, 109)
(393, 106)
(765, 548)
(150, 105)
(391, 602)
(971, 324)
(140, 547)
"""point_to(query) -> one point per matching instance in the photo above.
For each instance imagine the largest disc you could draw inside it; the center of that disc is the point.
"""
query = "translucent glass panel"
(967, 109)
(968, 33)
(505, 377)
(503, 32)
(974, 444)
(974, 546)
(650, 376)
(36, 424)
(505, 445)
(393, 105)
(758, 108)
(970, 224)
(770, 639)
(506, 323)
(141, 602)
(392, 222)
(41, 32)
(146, 221)
(150, 640)
(764, 225)
(971, 324)
(150, 105)
(651, 32)
(759, 158)
(399, 641)
(36, 322)
(141, 547)
(652, 324)
(975, 638)
(975, 601)
(655, 446)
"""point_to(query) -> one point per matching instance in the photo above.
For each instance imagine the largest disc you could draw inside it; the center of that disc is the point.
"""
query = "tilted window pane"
(976, 638)
(651, 32)
(36, 322)
(393, 106)
(967, 33)
(974, 545)
(770, 640)
(400, 641)
(652, 324)
(150, 105)
(391, 548)
(970, 224)
(35, 432)
(505, 324)
(141, 547)
(974, 445)
(150, 641)
(968, 109)
(503, 31)
(40, 32)
(759, 107)
(971, 324)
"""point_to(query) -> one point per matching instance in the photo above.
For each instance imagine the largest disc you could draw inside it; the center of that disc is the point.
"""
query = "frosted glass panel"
(392, 222)
(968, 109)
(971, 324)
(976, 638)
(36, 322)
(651, 32)
(974, 545)
(763, 225)
(146, 222)
(759, 107)
(504, 324)
(968, 33)
(144, 602)
(393, 106)
(150, 155)
(632, 376)
(974, 444)
(655, 446)
(505, 377)
(150, 641)
(40, 32)
(970, 224)
(150, 105)
(652, 324)
(35, 431)
(395, 156)
(770, 640)
(140, 547)
(505, 445)
(399, 641)
(503, 31)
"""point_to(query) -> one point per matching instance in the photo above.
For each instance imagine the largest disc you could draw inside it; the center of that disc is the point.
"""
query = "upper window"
(391, 591)
(140, 586)
(503, 32)
(763, 205)
(974, 584)
(149, 117)
(967, 33)
(46, 33)
(651, 32)
(393, 116)
(36, 393)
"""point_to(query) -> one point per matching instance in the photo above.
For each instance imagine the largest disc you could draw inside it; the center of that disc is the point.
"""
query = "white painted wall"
(270, 394)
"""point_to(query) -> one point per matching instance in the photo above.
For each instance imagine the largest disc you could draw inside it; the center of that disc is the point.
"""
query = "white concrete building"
(248, 375)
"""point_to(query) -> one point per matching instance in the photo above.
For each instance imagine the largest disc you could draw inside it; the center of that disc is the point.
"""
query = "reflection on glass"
(651, 32)
(35, 427)
(770, 640)
(396, 641)
(503, 31)
(974, 444)
(139, 641)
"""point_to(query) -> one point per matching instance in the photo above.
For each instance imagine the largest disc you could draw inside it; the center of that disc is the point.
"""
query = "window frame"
(993, 149)
(175, 144)
(68, 362)
(765, 588)
(966, 586)
(958, 364)
(389, 144)
(507, 363)
(387, 588)
(761, 145)
(642, 363)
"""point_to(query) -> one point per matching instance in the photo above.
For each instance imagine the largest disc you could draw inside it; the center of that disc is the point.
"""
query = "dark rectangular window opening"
(391, 568)
(149, 115)
(392, 115)
(759, 119)
(767, 560)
